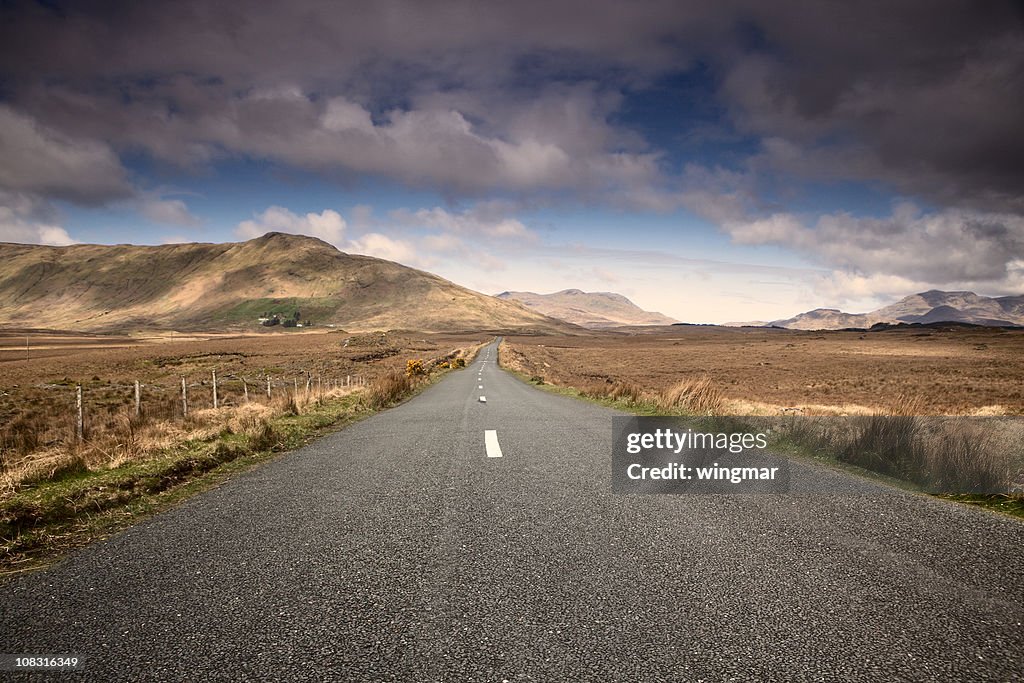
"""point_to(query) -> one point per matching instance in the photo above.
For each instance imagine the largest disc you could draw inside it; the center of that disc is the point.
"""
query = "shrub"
(414, 368)
(966, 457)
(459, 363)
(889, 444)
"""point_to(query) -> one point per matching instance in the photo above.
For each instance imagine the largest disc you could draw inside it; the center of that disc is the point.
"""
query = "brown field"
(38, 394)
(950, 371)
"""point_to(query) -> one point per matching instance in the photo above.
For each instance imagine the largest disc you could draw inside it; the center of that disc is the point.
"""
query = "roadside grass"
(72, 505)
(914, 453)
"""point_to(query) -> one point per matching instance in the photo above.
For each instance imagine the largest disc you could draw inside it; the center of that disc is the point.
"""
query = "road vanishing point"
(451, 539)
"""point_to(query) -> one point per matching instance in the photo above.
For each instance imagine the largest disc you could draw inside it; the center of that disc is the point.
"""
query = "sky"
(714, 161)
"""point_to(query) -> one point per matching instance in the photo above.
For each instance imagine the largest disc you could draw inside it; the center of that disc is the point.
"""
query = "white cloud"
(327, 225)
(484, 219)
(941, 248)
(19, 225)
(382, 246)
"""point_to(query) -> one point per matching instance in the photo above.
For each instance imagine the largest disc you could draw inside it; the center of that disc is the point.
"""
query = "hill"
(933, 306)
(588, 309)
(229, 286)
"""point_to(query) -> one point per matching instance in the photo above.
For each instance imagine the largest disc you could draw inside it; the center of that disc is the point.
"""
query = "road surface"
(404, 548)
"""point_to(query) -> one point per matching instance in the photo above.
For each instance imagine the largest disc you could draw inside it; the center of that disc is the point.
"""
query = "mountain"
(588, 309)
(933, 306)
(229, 286)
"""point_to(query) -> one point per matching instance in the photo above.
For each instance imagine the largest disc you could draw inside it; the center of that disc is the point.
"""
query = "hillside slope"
(228, 286)
(588, 309)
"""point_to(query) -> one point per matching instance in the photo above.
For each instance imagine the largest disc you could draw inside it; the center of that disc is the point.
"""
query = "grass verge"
(41, 523)
(888, 449)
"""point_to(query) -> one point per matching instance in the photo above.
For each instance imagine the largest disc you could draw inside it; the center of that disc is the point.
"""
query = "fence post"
(80, 417)
(215, 402)
(268, 386)
(295, 384)
(348, 380)
(184, 399)
(138, 399)
(245, 389)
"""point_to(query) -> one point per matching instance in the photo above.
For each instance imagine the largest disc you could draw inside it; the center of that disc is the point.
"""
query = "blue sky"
(715, 163)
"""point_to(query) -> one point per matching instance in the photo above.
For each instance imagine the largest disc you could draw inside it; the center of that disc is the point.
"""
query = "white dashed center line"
(483, 399)
(491, 443)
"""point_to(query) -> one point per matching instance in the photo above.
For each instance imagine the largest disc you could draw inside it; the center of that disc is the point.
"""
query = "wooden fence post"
(268, 386)
(138, 399)
(80, 417)
(245, 389)
(215, 402)
(184, 398)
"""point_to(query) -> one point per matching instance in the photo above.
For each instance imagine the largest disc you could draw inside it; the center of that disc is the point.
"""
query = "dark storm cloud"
(923, 98)
(924, 95)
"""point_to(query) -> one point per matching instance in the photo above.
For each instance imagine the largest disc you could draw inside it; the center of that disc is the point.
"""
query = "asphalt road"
(397, 549)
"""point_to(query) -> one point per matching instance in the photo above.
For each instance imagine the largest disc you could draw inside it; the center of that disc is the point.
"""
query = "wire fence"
(76, 412)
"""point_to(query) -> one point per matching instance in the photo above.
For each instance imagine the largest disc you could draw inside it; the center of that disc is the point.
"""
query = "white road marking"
(483, 399)
(480, 387)
(491, 443)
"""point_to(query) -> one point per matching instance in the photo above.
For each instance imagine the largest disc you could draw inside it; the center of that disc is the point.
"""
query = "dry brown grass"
(386, 390)
(699, 396)
(727, 373)
(629, 392)
(37, 430)
(968, 371)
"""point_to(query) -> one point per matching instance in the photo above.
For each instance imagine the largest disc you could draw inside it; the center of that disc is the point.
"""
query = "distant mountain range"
(210, 287)
(933, 306)
(588, 309)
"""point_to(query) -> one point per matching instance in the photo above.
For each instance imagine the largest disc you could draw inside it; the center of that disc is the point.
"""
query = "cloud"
(483, 220)
(39, 160)
(327, 225)
(167, 211)
(941, 247)
(25, 220)
(382, 246)
(921, 96)
(527, 96)
(545, 101)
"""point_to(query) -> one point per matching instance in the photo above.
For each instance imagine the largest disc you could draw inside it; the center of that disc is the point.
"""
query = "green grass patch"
(315, 309)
